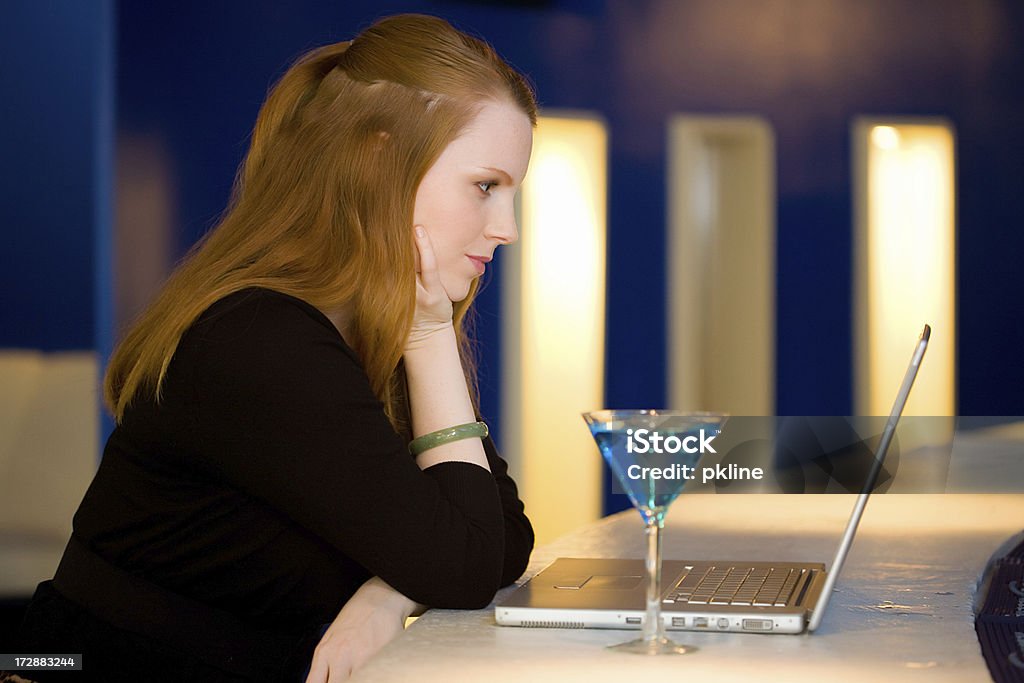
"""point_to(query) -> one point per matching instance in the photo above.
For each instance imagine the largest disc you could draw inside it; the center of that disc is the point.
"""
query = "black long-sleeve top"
(269, 483)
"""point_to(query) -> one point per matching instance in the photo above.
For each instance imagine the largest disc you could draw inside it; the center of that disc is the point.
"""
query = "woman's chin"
(457, 292)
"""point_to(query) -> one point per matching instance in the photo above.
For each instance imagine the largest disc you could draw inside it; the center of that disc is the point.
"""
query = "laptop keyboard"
(737, 585)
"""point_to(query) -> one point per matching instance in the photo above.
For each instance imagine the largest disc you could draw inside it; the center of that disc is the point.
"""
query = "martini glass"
(669, 443)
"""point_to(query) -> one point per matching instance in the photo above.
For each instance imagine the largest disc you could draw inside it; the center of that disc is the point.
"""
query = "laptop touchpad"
(615, 582)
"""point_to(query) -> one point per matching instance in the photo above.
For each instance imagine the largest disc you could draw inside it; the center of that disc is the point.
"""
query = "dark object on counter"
(999, 613)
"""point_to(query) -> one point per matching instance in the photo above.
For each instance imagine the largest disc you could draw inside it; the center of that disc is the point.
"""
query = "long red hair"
(322, 207)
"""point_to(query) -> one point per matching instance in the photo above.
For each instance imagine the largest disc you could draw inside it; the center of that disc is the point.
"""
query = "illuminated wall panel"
(553, 296)
(904, 262)
(721, 265)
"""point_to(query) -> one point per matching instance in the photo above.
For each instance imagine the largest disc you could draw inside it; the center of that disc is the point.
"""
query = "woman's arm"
(438, 396)
(518, 530)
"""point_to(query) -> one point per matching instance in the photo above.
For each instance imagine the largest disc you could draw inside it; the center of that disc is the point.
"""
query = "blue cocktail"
(653, 453)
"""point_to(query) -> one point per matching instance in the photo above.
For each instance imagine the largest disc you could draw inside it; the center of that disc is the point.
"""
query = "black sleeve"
(518, 530)
(286, 414)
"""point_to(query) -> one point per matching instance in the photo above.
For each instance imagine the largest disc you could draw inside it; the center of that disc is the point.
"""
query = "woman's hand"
(367, 622)
(433, 307)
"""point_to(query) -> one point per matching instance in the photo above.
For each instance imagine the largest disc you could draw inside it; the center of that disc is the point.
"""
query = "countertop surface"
(902, 608)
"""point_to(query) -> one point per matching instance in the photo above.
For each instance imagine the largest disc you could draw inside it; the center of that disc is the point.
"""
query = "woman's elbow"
(458, 595)
(471, 586)
(518, 547)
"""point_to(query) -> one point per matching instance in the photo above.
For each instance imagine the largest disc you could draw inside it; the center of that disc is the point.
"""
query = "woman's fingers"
(429, 276)
(433, 312)
(331, 664)
(318, 670)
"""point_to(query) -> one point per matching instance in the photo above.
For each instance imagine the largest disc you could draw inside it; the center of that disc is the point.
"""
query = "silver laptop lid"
(869, 483)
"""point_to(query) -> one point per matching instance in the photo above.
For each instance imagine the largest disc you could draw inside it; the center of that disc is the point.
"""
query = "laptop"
(748, 597)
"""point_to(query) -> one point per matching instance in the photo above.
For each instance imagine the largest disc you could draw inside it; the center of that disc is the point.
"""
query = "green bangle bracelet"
(447, 435)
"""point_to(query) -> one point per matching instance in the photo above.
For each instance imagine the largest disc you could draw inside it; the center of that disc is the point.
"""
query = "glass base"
(658, 646)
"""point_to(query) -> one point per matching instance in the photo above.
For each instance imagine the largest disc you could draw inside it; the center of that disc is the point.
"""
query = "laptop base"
(610, 594)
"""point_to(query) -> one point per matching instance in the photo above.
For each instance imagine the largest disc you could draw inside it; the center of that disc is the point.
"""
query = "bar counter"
(902, 609)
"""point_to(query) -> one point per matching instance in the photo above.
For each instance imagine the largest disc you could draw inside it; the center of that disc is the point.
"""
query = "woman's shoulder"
(256, 305)
(258, 317)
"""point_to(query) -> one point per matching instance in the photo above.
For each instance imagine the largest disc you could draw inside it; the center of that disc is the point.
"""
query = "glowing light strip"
(553, 293)
(904, 262)
(721, 265)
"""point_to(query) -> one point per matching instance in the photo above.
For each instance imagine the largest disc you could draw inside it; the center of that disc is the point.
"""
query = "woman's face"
(465, 201)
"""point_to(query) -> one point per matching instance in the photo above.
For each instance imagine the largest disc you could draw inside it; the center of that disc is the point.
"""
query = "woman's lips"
(479, 262)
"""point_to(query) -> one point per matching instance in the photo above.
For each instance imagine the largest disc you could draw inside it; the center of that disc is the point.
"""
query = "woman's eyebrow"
(504, 176)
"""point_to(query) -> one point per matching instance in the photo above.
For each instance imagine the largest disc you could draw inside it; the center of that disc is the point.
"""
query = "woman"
(296, 424)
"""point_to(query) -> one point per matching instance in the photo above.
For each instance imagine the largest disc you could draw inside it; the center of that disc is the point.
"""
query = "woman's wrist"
(381, 595)
(423, 343)
(448, 435)
(439, 398)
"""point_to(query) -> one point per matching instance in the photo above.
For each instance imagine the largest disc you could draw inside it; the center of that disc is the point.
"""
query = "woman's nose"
(503, 228)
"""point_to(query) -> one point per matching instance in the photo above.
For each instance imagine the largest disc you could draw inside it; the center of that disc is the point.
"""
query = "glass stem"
(654, 630)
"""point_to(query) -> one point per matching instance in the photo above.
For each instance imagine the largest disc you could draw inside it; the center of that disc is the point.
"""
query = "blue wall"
(197, 76)
(56, 145)
(193, 75)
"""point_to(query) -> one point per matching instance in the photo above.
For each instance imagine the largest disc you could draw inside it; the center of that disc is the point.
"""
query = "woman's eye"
(486, 186)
